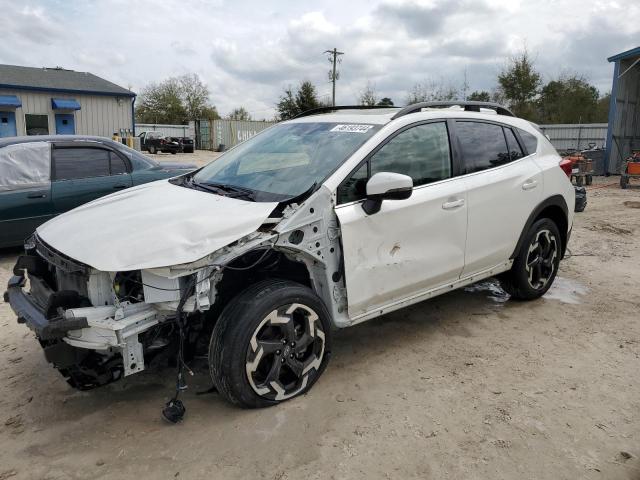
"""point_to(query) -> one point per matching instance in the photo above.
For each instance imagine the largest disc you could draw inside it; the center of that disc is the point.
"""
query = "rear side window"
(512, 142)
(73, 163)
(118, 167)
(530, 141)
(483, 146)
(24, 165)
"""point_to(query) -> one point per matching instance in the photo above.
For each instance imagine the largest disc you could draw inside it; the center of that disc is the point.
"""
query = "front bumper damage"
(104, 329)
(91, 330)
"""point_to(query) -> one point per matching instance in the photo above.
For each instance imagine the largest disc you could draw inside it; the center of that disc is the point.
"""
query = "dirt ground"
(465, 386)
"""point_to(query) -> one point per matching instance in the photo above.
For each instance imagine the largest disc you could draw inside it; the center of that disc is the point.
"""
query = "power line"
(333, 74)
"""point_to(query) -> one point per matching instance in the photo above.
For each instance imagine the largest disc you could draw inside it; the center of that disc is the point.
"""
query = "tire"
(624, 181)
(536, 265)
(288, 322)
(173, 152)
(589, 180)
(152, 150)
(579, 181)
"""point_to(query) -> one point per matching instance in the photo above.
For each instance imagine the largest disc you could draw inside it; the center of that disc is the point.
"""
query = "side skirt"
(425, 295)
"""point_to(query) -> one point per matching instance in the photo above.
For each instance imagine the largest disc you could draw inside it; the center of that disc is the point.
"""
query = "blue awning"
(64, 104)
(10, 101)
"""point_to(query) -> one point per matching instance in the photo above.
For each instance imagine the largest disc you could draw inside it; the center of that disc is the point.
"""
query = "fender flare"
(553, 201)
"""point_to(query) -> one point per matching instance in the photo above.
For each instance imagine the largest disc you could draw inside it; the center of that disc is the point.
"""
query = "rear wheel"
(589, 180)
(270, 344)
(536, 265)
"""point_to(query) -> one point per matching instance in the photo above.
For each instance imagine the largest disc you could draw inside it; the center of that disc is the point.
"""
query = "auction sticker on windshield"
(352, 128)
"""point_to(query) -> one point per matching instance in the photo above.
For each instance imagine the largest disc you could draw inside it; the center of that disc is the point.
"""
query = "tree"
(520, 84)
(292, 104)
(175, 100)
(287, 107)
(432, 90)
(161, 103)
(306, 98)
(385, 102)
(195, 95)
(602, 109)
(480, 96)
(239, 113)
(210, 113)
(569, 99)
(368, 96)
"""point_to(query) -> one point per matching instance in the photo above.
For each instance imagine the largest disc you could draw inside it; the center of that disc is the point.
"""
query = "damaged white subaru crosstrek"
(327, 220)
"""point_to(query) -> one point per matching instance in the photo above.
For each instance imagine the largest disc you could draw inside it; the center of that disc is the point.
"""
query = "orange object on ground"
(633, 168)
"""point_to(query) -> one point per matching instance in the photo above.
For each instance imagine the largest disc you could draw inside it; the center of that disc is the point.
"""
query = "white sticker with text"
(352, 128)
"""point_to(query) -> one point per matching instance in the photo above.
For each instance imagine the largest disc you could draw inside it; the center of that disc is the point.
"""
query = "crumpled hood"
(153, 225)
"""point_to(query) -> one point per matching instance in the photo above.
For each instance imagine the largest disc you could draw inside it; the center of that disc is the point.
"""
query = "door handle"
(37, 195)
(529, 184)
(453, 204)
(117, 187)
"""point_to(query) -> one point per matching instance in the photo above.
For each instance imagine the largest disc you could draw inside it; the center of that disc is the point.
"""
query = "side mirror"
(386, 186)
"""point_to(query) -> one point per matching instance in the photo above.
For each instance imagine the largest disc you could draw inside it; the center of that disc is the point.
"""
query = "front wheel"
(270, 344)
(536, 265)
(152, 150)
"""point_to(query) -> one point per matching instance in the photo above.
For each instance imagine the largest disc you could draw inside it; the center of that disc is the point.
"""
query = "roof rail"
(469, 106)
(327, 109)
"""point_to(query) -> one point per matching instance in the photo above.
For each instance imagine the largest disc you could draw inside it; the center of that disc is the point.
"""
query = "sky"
(248, 52)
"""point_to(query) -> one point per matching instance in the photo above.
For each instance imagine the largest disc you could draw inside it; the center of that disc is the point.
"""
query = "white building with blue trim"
(49, 101)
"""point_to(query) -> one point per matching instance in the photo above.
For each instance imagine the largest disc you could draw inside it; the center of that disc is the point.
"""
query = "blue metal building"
(623, 132)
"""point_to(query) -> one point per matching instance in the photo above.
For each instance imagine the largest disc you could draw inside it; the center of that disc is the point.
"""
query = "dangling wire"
(174, 409)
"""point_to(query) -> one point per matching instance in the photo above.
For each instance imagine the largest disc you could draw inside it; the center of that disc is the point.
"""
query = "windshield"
(286, 160)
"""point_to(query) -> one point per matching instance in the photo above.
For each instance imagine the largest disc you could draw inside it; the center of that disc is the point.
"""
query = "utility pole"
(333, 74)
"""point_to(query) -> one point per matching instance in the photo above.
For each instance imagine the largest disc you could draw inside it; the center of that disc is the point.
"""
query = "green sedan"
(41, 177)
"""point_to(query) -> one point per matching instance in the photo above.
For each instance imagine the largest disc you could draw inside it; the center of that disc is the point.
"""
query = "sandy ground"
(465, 386)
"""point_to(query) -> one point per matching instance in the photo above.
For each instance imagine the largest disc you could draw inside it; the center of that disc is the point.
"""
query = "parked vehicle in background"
(323, 221)
(188, 145)
(154, 142)
(48, 175)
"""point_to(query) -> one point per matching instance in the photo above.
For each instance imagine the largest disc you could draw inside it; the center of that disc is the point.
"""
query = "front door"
(65, 124)
(8, 124)
(410, 246)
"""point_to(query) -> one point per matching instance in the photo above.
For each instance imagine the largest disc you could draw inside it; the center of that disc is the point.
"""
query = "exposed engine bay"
(98, 326)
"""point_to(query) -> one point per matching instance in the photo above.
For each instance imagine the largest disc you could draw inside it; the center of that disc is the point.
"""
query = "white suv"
(327, 220)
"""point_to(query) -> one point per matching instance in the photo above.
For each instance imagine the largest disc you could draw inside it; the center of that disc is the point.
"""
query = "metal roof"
(58, 80)
(629, 53)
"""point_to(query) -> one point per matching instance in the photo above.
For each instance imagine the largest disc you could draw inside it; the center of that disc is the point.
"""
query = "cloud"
(248, 51)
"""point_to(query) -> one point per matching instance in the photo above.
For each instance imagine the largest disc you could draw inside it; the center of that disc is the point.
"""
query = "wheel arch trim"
(553, 202)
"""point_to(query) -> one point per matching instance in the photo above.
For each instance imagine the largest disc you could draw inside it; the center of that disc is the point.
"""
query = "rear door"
(83, 173)
(504, 187)
(25, 190)
(411, 245)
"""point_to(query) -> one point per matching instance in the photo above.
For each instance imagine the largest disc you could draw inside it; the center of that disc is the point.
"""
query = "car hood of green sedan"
(154, 225)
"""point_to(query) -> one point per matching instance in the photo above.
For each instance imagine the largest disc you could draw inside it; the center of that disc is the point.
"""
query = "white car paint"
(154, 225)
(448, 234)
(407, 247)
(500, 202)
(384, 181)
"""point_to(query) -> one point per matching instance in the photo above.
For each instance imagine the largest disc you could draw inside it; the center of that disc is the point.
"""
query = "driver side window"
(422, 152)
